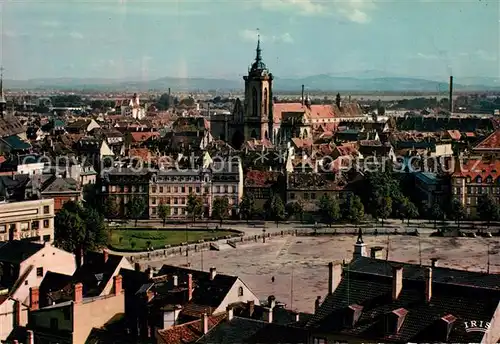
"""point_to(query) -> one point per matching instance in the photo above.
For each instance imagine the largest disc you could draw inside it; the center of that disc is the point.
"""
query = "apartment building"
(27, 220)
(173, 187)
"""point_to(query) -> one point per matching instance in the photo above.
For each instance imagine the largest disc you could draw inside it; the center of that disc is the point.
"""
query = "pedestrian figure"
(272, 279)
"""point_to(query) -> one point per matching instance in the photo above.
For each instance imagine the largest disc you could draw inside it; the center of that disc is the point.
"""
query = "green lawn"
(139, 239)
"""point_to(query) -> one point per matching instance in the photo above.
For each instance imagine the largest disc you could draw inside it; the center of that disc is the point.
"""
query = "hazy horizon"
(216, 39)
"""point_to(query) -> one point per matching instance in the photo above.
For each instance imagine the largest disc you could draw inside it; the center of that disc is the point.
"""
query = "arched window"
(266, 105)
(240, 291)
(255, 104)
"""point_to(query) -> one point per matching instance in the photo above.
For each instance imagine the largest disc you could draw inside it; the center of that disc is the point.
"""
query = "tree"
(276, 209)
(163, 212)
(247, 206)
(111, 207)
(78, 229)
(456, 211)
(488, 209)
(383, 208)
(194, 206)
(436, 213)
(411, 211)
(296, 209)
(136, 207)
(354, 210)
(330, 210)
(220, 208)
(90, 196)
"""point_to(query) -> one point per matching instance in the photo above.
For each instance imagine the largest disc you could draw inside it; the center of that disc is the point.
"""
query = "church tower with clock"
(258, 104)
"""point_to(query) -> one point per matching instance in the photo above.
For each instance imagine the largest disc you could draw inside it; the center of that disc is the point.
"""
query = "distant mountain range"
(369, 81)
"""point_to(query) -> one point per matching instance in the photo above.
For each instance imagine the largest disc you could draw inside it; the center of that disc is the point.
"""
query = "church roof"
(259, 64)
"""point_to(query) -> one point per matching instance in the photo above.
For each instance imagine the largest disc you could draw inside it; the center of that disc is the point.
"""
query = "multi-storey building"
(31, 220)
(173, 187)
(473, 179)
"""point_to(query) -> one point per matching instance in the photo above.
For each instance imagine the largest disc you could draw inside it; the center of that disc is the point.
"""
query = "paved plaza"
(299, 264)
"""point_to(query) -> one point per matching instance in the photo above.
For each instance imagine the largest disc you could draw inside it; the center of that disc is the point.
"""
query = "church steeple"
(259, 64)
(258, 56)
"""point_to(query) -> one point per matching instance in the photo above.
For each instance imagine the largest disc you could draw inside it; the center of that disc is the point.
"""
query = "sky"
(145, 40)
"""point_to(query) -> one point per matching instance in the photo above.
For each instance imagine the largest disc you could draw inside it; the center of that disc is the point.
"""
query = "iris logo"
(476, 326)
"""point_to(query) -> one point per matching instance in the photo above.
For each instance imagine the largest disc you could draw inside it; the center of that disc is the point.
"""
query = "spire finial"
(258, 57)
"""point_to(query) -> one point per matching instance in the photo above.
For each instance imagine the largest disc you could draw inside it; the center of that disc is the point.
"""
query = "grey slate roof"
(18, 251)
(368, 282)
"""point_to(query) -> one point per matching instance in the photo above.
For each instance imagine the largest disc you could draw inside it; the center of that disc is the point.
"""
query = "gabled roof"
(490, 143)
(367, 282)
(189, 332)
(18, 251)
(61, 185)
(16, 143)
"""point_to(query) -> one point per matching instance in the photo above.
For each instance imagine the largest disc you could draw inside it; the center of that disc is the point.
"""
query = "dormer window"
(489, 180)
(353, 314)
(445, 326)
(395, 320)
(468, 179)
(478, 179)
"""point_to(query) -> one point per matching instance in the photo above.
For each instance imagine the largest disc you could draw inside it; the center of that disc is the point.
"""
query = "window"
(226, 189)
(306, 195)
(175, 200)
(183, 189)
(317, 340)
(39, 272)
(113, 188)
(46, 209)
(3, 229)
(46, 223)
(25, 226)
(292, 195)
(198, 189)
(190, 189)
(54, 325)
(479, 180)
(168, 189)
(161, 189)
(176, 189)
(153, 189)
(153, 211)
(167, 200)
(240, 291)
(153, 200)
(206, 189)
(103, 188)
(176, 210)
(46, 238)
(313, 195)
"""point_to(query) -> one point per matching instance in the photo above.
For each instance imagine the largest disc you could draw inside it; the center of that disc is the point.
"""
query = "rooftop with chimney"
(385, 301)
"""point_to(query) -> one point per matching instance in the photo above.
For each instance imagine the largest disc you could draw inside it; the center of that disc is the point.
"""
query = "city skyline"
(148, 40)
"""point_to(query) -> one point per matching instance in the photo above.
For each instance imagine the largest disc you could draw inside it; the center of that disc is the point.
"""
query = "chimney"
(105, 256)
(302, 99)
(451, 94)
(317, 303)
(397, 281)
(268, 315)
(15, 341)
(434, 262)
(150, 295)
(205, 323)
(17, 313)
(175, 280)
(79, 258)
(30, 337)
(117, 283)
(334, 276)
(34, 298)
(428, 284)
(149, 271)
(376, 252)
(251, 308)
(137, 267)
(190, 287)
(213, 272)
(78, 293)
(230, 313)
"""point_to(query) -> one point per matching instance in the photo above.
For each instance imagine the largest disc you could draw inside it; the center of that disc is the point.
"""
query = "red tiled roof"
(257, 178)
(189, 332)
(489, 143)
(142, 153)
(478, 168)
(280, 108)
(454, 134)
(322, 111)
(141, 136)
(302, 143)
